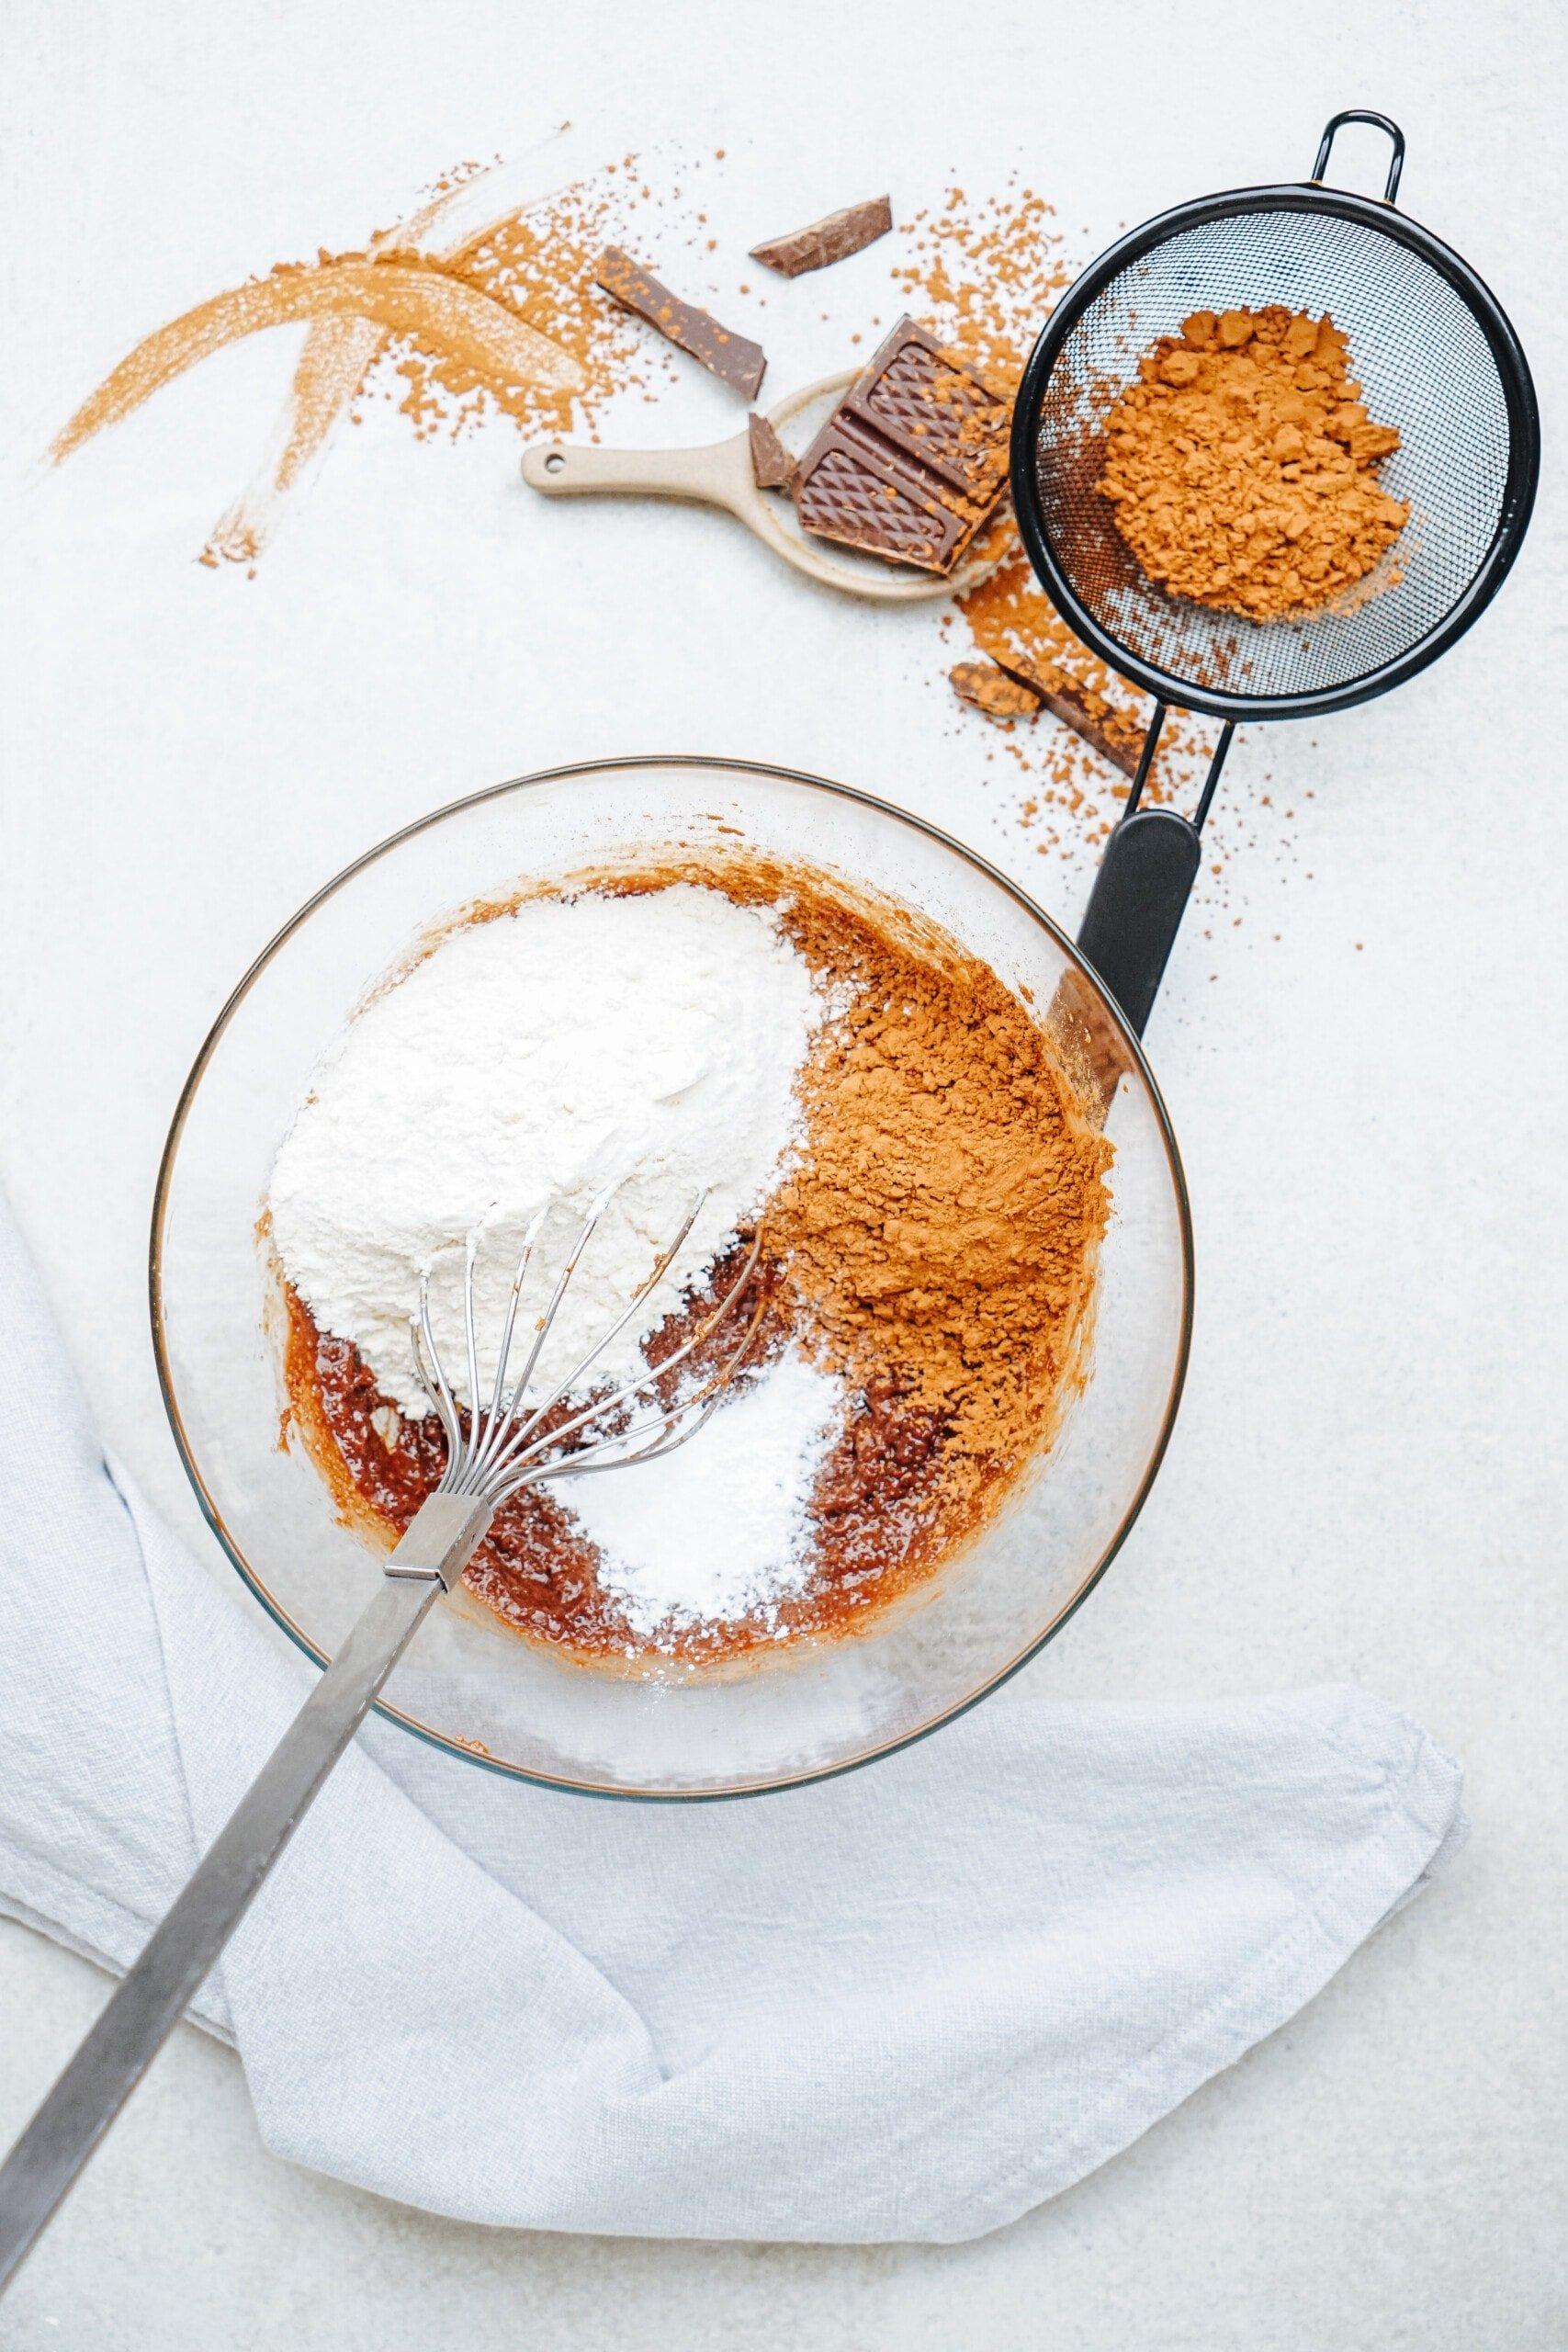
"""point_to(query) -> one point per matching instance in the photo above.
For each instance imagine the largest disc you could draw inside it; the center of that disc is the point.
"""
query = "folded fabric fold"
(907, 2004)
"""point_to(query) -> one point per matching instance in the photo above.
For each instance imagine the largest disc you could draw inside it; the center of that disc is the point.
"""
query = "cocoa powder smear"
(936, 1245)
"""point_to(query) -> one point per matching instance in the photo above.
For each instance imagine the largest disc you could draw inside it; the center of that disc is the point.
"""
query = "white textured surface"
(518, 1072)
(1368, 1477)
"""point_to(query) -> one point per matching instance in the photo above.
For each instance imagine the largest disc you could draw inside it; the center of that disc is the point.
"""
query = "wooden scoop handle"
(714, 475)
(719, 473)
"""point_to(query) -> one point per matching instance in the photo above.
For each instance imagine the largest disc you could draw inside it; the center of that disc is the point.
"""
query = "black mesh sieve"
(1435, 356)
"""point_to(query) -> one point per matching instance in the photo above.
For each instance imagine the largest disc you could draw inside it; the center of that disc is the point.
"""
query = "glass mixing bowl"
(466, 1683)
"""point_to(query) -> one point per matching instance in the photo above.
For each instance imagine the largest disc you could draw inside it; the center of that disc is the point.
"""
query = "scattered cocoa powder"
(983, 269)
(538, 262)
(984, 272)
(1243, 464)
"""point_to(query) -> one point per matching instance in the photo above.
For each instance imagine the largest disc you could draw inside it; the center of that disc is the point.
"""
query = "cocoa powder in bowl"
(944, 1223)
(935, 1241)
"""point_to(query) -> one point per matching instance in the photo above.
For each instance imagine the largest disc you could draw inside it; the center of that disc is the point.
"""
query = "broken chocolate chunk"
(912, 460)
(771, 462)
(1005, 690)
(1075, 706)
(991, 689)
(834, 238)
(732, 358)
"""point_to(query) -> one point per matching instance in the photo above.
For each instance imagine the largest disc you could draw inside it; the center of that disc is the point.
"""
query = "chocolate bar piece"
(1073, 705)
(732, 358)
(850, 487)
(912, 460)
(835, 238)
(994, 691)
(917, 396)
(771, 461)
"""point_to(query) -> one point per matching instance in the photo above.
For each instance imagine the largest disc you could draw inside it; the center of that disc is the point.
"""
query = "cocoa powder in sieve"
(1243, 465)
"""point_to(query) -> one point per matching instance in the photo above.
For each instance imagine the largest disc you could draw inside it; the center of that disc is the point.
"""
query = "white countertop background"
(1367, 1481)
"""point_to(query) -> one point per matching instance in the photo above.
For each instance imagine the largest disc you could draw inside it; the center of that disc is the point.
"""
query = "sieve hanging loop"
(1378, 122)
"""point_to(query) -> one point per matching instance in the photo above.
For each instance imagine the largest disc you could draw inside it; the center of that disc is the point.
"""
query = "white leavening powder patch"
(716, 1530)
(530, 1058)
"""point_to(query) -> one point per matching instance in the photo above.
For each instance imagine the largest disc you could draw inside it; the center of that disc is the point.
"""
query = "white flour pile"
(717, 1530)
(536, 1055)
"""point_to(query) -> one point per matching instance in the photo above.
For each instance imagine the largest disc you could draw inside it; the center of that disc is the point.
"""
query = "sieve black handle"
(1378, 122)
(1141, 891)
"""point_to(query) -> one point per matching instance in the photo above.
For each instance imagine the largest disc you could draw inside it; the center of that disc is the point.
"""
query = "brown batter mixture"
(936, 1245)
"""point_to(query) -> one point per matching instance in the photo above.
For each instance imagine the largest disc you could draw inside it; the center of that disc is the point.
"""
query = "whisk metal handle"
(150, 2000)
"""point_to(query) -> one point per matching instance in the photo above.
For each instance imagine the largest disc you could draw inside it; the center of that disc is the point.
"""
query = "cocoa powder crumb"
(1244, 466)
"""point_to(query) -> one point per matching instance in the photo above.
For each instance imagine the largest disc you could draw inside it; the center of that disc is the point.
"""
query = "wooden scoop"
(718, 473)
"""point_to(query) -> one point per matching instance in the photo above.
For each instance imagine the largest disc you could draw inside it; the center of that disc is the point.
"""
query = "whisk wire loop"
(495, 1450)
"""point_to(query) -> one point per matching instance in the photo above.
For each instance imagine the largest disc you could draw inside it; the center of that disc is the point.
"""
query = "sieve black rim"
(1519, 488)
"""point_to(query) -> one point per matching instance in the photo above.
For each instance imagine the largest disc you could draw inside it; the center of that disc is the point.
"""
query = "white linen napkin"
(905, 2005)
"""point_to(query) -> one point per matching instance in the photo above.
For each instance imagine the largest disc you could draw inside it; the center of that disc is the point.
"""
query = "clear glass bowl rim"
(623, 763)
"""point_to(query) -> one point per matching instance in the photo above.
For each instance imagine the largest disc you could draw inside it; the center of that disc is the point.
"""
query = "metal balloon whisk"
(512, 1442)
(493, 1451)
